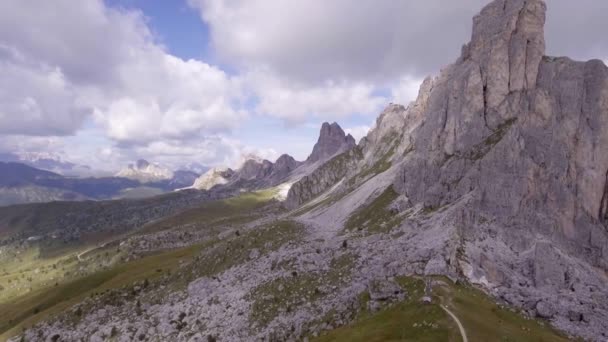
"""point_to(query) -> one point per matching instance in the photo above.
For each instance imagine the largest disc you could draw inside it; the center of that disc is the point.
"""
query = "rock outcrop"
(322, 178)
(332, 141)
(145, 172)
(514, 143)
(213, 177)
(524, 136)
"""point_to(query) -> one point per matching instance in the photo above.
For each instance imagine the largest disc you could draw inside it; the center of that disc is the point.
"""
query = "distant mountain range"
(21, 183)
(31, 179)
(49, 162)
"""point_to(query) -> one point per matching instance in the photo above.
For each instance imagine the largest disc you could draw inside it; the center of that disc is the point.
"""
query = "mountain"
(503, 154)
(332, 140)
(145, 172)
(182, 178)
(481, 205)
(195, 167)
(20, 183)
(256, 173)
(213, 177)
(48, 162)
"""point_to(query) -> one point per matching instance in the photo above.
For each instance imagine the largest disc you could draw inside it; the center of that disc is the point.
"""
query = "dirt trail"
(463, 333)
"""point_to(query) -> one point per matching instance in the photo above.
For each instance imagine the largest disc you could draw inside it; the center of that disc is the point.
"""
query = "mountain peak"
(508, 43)
(332, 140)
(145, 172)
(142, 164)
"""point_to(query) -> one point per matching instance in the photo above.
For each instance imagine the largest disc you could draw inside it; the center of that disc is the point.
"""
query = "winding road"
(460, 326)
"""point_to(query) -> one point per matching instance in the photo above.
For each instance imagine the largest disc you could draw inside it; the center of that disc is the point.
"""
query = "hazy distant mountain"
(145, 172)
(21, 183)
(195, 167)
(49, 162)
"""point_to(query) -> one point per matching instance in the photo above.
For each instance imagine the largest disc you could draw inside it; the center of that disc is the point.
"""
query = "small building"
(426, 300)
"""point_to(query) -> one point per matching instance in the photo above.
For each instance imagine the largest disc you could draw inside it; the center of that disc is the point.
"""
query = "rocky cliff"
(506, 148)
(332, 141)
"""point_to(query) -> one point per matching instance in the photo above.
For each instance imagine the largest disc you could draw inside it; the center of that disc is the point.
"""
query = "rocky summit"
(477, 212)
(332, 140)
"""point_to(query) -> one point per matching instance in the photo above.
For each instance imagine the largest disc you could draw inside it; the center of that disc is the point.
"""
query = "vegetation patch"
(375, 217)
(480, 150)
(409, 320)
(283, 295)
(235, 210)
(243, 246)
(484, 320)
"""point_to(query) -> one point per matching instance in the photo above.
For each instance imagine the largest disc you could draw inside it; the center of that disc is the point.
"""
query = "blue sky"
(104, 83)
(177, 25)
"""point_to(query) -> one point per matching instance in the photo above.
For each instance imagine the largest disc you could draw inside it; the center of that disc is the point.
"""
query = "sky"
(103, 83)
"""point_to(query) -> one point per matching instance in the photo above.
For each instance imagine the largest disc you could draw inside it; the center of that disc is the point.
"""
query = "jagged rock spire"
(332, 139)
(508, 43)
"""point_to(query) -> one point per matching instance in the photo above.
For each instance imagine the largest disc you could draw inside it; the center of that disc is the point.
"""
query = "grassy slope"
(29, 308)
(236, 210)
(375, 217)
(483, 320)
(35, 306)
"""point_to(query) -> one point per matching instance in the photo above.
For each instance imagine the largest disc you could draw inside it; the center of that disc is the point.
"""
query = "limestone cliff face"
(524, 136)
(323, 178)
(511, 145)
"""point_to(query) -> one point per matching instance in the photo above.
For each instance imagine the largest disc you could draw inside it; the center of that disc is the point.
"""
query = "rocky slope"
(522, 136)
(515, 140)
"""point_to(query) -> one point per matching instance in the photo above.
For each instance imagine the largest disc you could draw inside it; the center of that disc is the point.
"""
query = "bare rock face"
(283, 167)
(524, 136)
(322, 178)
(254, 170)
(332, 141)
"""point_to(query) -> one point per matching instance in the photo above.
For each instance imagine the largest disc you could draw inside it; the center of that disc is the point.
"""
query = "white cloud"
(317, 39)
(358, 132)
(405, 90)
(35, 98)
(102, 60)
(97, 75)
(295, 103)
(213, 150)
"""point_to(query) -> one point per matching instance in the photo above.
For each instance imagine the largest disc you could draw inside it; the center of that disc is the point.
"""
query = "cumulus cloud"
(375, 40)
(167, 97)
(69, 68)
(405, 90)
(358, 132)
(316, 39)
(212, 150)
(62, 61)
(35, 99)
(295, 103)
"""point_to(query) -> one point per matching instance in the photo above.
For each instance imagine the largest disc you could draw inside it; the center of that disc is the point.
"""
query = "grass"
(235, 210)
(39, 305)
(406, 321)
(236, 250)
(58, 281)
(375, 217)
(482, 319)
(480, 150)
